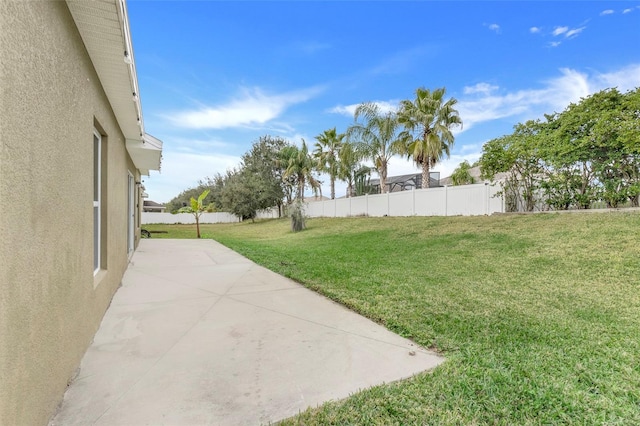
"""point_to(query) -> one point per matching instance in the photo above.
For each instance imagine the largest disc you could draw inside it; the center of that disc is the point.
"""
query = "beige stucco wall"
(50, 304)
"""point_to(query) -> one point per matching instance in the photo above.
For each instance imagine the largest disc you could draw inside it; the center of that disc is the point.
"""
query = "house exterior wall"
(50, 302)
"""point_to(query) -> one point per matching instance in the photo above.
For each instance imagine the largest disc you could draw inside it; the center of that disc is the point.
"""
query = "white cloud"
(484, 88)
(555, 95)
(574, 32)
(535, 30)
(447, 166)
(197, 145)
(627, 11)
(183, 170)
(349, 110)
(495, 27)
(560, 30)
(607, 12)
(252, 107)
(566, 32)
(627, 78)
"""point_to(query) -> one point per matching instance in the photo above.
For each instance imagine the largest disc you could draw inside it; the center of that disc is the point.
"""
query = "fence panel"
(467, 200)
(187, 218)
(431, 202)
(342, 207)
(378, 205)
(359, 206)
(477, 199)
(329, 208)
(401, 203)
(314, 209)
(271, 213)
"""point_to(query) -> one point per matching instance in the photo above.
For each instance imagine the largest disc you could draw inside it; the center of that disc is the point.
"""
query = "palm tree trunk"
(426, 181)
(333, 188)
(383, 179)
(301, 188)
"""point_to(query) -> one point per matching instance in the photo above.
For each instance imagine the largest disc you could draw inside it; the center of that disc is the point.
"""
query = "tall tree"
(462, 174)
(299, 164)
(376, 137)
(594, 142)
(260, 166)
(348, 166)
(428, 121)
(242, 193)
(516, 158)
(326, 153)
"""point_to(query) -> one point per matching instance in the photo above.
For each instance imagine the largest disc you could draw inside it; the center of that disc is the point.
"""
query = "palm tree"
(289, 182)
(348, 166)
(462, 174)
(299, 164)
(376, 138)
(327, 155)
(362, 180)
(428, 121)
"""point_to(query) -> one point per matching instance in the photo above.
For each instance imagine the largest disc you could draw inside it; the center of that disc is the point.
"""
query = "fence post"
(487, 200)
(366, 205)
(446, 200)
(413, 201)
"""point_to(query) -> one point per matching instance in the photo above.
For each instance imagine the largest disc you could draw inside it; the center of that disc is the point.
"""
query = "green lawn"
(538, 315)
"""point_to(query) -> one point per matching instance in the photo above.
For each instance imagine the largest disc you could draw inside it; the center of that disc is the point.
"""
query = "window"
(97, 193)
(130, 213)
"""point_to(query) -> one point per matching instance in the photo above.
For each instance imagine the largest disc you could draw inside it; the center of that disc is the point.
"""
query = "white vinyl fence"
(187, 218)
(464, 200)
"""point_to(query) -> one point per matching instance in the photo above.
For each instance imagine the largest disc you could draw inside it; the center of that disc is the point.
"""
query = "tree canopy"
(327, 154)
(588, 153)
(428, 121)
(374, 136)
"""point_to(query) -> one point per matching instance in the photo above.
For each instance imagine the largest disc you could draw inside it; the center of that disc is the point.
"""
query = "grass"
(538, 315)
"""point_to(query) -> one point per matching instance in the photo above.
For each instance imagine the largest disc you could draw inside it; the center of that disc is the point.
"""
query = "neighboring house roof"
(104, 28)
(149, 205)
(402, 182)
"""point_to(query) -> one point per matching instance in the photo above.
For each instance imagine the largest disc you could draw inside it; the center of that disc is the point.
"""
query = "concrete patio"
(199, 335)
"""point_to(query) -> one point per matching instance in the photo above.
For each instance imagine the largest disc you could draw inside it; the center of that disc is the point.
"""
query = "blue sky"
(214, 76)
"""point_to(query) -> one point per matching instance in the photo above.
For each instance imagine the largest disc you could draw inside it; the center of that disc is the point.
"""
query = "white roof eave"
(146, 153)
(104, 28)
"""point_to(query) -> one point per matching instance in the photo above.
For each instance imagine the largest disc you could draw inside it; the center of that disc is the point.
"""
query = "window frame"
(97, 202)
